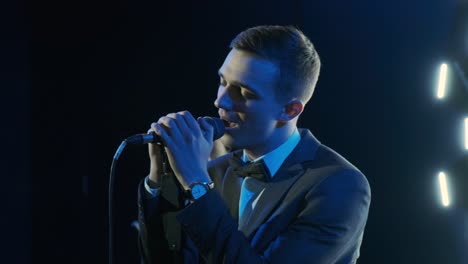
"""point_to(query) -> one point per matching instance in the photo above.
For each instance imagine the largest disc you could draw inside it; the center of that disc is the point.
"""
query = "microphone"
(216, 123)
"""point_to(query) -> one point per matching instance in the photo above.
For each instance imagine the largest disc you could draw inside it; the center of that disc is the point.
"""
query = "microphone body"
(216, 123)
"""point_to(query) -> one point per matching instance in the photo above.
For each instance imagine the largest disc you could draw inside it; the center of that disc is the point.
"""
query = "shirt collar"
(276, 157)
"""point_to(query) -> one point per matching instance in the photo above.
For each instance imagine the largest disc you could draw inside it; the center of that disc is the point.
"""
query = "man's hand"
(188, 144)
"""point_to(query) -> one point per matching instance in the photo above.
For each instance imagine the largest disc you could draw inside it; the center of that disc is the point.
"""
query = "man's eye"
(248, 95)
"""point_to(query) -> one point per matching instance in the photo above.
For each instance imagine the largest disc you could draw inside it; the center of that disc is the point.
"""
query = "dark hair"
(291, 50)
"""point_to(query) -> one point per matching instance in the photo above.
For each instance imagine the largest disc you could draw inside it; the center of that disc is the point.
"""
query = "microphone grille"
(218, 126)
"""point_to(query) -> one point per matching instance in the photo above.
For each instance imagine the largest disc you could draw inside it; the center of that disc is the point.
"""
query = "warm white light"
(443, 189)
(466, 133)
(442, 81)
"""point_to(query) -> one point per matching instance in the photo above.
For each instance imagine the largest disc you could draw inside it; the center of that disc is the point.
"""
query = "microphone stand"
(171, 191)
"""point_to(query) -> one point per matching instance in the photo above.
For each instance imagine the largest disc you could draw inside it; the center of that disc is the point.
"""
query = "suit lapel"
(231, 192)
(270, 198)
(226, 182)
(290, 171)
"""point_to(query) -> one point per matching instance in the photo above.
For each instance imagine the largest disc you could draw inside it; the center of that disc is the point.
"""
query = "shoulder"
(332, 172)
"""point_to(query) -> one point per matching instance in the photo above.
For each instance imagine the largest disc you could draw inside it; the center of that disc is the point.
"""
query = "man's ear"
(291, 110)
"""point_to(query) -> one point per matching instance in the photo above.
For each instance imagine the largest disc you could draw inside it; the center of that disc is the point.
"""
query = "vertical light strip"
(443, 189)
(442, 81)
(466, 133)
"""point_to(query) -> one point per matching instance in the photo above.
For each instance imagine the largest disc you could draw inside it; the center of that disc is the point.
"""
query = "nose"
(223, 100)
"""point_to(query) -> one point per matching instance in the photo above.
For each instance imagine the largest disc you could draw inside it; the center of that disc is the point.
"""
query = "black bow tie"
(255, 169)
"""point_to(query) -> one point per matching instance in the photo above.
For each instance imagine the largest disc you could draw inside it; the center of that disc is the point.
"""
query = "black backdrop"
(95, 72)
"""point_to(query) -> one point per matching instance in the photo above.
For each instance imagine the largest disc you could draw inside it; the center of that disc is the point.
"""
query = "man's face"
(246, 100)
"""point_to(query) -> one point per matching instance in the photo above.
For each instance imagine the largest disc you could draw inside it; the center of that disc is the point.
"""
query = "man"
(280, 196)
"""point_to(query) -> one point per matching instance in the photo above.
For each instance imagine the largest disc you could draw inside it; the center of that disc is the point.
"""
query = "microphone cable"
(134, 140)
(110, 202)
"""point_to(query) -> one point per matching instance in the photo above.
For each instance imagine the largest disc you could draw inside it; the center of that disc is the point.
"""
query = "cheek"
(262, 113)
(259, 122)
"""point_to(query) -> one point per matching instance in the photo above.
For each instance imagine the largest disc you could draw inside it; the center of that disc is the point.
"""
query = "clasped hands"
(188, 143)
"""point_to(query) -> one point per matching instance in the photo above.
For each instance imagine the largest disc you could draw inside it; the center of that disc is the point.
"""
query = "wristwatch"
(198, 189)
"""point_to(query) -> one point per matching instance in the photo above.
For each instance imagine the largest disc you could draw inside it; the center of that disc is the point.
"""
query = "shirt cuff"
(151, 192)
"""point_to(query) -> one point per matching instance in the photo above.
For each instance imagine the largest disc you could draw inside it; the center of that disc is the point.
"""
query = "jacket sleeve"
(151, 241)
(160, 236)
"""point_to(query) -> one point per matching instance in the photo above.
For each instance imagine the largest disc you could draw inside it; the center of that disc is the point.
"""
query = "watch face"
(198, 190)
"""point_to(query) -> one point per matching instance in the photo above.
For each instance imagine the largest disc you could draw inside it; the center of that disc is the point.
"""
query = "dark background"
(79, 77)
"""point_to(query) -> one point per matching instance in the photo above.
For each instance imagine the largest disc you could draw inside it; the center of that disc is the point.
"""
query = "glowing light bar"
(444, 189)
(466, 133)
(442, 81)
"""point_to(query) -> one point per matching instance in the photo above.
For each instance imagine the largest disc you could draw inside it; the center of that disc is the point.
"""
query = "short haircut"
(292, 51)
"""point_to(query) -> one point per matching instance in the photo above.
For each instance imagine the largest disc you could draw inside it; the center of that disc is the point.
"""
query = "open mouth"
(228, 124)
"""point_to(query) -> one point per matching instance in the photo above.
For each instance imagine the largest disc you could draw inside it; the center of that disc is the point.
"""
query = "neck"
(277, 138)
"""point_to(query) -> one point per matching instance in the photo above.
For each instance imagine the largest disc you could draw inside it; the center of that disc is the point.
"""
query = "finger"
(182, 124)
(171, 128)
(151, 145)
(153, 128)
(191, 123)
(160, 131)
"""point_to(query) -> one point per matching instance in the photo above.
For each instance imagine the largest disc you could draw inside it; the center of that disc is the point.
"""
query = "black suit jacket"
(314, 211)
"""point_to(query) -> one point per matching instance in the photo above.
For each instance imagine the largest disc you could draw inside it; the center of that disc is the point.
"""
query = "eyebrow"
(236, 83)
